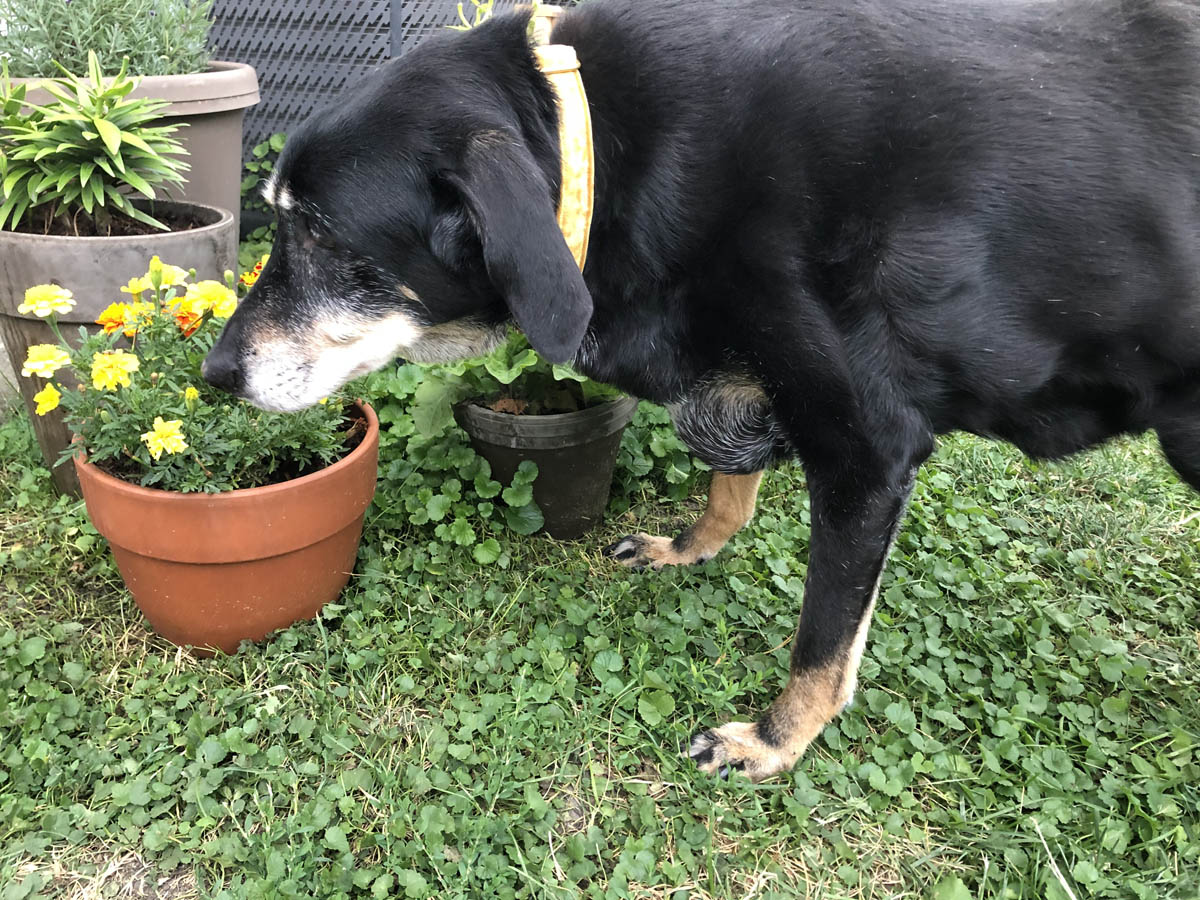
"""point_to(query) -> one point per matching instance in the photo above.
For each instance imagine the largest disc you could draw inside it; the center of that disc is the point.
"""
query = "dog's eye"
(313, 233)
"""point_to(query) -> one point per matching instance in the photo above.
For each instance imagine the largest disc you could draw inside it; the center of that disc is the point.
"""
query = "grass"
(1028, 722)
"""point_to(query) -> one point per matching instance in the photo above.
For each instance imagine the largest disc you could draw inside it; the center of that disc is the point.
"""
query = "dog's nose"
(220, 369)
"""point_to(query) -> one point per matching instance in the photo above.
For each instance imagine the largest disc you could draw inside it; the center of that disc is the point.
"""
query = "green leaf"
(335, 839)
(461, 532)
(433, 408)
(525, 519)
(487, 552)
(210, 752)
(438, 506)
(655, 706)
(526, 473)
(951, 888)
(518, 495)
(31, 650)
(109, 133)
(1085, 872)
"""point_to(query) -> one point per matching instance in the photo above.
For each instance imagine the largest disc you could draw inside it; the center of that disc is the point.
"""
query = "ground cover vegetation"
(487, 713)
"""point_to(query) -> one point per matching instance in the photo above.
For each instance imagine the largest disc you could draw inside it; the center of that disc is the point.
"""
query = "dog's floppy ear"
(527, 259)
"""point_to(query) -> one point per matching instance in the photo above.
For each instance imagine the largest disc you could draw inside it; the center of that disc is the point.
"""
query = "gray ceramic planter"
(95, 269)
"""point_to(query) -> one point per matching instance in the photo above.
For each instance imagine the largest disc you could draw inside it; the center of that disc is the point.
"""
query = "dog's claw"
(735, 748)
(626, 548)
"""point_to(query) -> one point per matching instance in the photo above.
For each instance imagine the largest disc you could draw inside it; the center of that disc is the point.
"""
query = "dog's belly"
(726, 421)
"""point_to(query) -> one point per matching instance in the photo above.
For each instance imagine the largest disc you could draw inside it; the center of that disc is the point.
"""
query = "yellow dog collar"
(577, 203)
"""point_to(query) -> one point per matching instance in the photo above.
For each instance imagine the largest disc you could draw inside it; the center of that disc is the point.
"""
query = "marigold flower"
(127, 316)
(187, 320)
(47, 399)
(138, 285)
(112, 369)
(249, 278)
(137, 315)
(165, 436)
(190, 396)
(112, 318)
(165, 275)
(205, 295)
(44, 360)
(43, 299)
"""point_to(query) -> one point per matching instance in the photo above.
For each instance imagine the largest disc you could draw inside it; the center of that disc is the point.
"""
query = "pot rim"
(264, 492)
(550, 418)
(225, 218)
(224, 85)
(548, 432)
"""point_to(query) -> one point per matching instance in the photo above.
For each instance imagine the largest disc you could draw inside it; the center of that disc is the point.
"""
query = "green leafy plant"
(513, 378)
(258, 168)
(159, 37)
(455, 729)
(133, 396)
(73, 165)
(482, 10)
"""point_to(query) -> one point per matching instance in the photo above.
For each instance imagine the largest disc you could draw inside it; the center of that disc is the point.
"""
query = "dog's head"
(416, 218)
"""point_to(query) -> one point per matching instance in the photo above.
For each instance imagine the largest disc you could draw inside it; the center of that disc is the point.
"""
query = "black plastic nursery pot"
(575, 454)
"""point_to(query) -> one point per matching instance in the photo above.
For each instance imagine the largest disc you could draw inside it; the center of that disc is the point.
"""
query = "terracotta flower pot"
(211, 570)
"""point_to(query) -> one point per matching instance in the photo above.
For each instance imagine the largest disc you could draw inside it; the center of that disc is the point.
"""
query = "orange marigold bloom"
(113, 317)
(188, 321)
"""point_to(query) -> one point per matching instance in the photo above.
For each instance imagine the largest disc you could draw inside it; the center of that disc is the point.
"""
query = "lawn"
(1028, 721)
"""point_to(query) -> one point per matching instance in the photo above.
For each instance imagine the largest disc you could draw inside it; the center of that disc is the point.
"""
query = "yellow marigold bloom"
(137, 315)
(165, 275)
(45, 360)
(190, 396)
(47, 399)
(206, 295)
(166, 436)
(44, 299)
(138, 285)
(249, 278)
(112, 369)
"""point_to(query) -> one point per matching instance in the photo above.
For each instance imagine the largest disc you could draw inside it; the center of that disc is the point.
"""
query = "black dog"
(829, 229)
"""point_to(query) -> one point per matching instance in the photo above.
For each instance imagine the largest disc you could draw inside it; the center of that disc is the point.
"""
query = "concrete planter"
(211, 104)
(94, 269)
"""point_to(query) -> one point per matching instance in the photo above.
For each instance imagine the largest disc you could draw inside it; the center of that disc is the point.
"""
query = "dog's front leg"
(731, 501)
(853, 529)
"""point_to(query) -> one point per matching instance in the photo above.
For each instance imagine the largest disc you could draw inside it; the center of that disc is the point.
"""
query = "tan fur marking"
(731, 502)
(809, 702)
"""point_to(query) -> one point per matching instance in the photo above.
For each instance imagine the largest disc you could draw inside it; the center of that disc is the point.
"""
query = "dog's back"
(996, 201)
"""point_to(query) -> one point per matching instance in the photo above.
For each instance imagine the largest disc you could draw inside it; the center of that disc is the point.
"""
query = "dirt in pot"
(117, 225)
(354, 429)
(538, 397)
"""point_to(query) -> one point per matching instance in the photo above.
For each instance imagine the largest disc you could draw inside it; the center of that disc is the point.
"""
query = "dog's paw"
(645, 551)
(736, 747)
